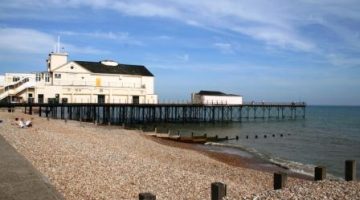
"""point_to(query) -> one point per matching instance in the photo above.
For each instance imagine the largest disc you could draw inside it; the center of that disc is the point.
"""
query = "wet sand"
(235, 160)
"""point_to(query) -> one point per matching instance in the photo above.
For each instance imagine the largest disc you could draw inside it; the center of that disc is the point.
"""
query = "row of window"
(47, 77)
(41, 75)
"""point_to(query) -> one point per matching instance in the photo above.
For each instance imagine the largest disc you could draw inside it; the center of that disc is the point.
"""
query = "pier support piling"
(144, 113)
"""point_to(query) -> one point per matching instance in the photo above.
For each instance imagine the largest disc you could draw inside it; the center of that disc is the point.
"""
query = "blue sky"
(264, 50)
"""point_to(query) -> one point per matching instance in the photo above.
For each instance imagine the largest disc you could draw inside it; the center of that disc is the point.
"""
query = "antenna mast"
(58, 45)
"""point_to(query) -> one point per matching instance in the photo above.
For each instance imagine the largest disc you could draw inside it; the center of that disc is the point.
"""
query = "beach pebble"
(85, 161)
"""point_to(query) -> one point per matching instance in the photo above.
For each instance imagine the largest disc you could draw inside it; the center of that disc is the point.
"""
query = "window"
(72, 67)
(57, 75)
(38, 77)
(30, 95)
(47, 78)
(135, 100)
(40, 98)
(16, 78)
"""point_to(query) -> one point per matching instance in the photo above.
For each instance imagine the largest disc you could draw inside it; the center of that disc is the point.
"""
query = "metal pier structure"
(119, 114)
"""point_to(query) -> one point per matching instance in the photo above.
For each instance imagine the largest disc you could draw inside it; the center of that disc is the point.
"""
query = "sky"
(273, 51)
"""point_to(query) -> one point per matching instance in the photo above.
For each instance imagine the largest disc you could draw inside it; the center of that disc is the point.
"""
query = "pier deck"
(153, 113)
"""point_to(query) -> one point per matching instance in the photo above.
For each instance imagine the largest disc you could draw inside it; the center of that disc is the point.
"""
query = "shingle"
(98, 67)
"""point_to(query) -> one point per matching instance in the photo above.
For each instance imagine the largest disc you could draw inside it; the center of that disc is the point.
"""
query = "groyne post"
(47, 112)
(350, 170)
(280, 180)
(147, 196)
(320, 173)
(218, 191)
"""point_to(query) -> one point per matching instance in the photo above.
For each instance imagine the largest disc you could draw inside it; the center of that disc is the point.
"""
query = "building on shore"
(216, 97)
(80, 82)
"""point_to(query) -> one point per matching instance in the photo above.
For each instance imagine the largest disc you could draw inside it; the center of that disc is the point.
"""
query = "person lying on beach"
(23, 124)
(28, 123)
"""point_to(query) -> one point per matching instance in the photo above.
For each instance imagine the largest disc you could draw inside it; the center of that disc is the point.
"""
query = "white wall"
(2, 80)
(79, 85)
(89, 94)
(209, 99)
(8, 79)
(55, 60)
(73, 74)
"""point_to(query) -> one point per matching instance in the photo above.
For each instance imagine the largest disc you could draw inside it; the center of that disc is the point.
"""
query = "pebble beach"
(86, 161)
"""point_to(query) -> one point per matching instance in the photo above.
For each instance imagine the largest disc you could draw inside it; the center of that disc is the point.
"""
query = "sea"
(327, 136)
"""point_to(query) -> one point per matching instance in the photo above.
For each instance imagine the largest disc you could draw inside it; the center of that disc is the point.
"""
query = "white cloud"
(276, 23)
(224, 47)
(25, 40)
(343, 61)
(184, 58)
(30, 41)
(84, 50)
(145, 9)
(121, 37)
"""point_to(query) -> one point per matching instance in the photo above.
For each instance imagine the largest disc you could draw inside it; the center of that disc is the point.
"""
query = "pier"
(118, 114)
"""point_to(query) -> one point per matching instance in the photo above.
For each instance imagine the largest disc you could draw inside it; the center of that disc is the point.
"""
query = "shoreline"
(233, 159)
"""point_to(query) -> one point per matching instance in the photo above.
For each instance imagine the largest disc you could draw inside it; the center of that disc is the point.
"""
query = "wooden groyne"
(154, 113)
(199, 139)
(218, 190)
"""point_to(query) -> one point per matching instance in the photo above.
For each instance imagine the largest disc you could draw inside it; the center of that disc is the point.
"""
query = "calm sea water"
(328, 136)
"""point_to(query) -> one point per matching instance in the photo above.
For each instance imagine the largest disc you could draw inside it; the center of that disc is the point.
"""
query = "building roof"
(98, 67)
(214, 93)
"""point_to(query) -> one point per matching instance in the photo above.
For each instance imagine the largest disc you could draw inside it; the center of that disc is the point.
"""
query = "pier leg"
(47, 112)
(304, 112)
(350, 170)
(218, 191)
(30, 110)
